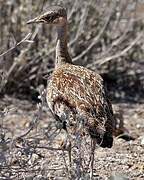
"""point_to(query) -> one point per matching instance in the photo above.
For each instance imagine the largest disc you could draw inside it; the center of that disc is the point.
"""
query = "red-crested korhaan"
(76, 94)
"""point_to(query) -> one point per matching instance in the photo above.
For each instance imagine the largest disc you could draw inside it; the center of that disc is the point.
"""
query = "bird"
(76, 94)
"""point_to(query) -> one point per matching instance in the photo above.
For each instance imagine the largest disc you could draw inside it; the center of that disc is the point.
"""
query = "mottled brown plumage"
(76, 94)
(75, 91)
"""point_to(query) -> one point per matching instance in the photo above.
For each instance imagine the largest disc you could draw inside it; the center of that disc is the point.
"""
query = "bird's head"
(54, 15)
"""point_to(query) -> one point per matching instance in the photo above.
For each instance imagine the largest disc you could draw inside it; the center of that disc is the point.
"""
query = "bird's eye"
(47, 18)
(50, 18)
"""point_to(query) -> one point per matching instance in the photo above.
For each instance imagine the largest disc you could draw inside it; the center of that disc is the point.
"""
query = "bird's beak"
(35, 20)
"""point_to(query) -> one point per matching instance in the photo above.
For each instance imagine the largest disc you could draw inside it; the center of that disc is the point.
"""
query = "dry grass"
(30, 146)
(105, 36)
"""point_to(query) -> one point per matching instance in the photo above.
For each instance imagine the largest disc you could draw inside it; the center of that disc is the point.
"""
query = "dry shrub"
(106, 36)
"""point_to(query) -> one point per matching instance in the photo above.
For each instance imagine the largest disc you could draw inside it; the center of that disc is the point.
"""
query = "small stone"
(138, 126)
(118, 177)
(142, 141)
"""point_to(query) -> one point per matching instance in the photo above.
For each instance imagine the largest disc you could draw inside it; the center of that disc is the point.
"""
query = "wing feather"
(76, 91)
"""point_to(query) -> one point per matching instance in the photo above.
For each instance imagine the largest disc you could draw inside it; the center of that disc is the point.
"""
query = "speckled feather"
(75, 93)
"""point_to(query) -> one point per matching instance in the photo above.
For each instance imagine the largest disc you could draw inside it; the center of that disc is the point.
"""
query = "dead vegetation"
(109, 40)
(30, 146)
(106, 36)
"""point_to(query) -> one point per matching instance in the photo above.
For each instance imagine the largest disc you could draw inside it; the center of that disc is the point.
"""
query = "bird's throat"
(62, 55)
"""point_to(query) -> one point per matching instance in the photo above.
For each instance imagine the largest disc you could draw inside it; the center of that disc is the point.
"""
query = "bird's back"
(76, 94)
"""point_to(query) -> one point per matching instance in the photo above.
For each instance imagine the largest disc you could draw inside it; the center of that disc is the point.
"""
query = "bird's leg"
(66, 144)
(91, 165)
(69, 153)
(68, 147)
(78, 159)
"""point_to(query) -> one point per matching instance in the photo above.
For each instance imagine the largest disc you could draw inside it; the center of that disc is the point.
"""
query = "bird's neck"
(62, 55)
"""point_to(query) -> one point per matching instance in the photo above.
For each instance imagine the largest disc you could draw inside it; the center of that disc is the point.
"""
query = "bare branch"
(115, 43)
(96, 39)
(25, 39)
(74, 9)
(117, 55)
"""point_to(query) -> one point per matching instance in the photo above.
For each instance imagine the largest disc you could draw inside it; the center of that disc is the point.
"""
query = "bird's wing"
(77, 90)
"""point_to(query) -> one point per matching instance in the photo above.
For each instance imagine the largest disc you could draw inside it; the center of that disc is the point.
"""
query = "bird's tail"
(102, 133)
(107, 141)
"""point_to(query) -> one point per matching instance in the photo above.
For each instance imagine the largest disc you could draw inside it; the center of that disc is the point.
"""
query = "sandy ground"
(125, 158)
